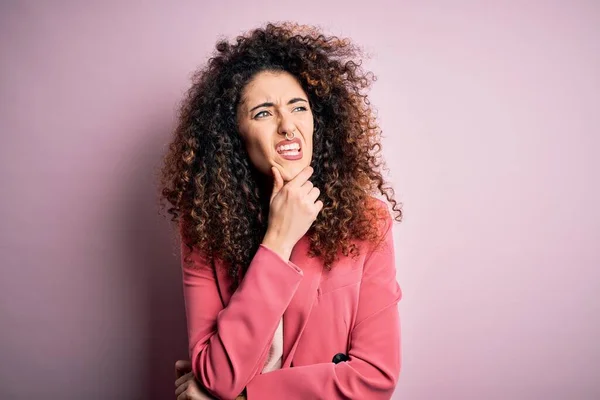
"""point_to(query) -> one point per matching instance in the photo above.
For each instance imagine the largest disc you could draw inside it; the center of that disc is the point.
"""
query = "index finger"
(184, 378)
(302, 177)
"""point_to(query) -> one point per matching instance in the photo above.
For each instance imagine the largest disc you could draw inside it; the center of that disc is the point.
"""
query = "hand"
(186, 386)
(293, 209)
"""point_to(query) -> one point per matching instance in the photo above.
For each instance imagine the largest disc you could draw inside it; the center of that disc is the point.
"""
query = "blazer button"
(339, 357)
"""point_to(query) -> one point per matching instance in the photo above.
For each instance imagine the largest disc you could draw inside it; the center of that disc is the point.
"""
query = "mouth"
(289, 149)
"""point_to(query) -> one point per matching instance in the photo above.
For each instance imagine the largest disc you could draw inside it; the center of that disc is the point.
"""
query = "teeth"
(293, 146)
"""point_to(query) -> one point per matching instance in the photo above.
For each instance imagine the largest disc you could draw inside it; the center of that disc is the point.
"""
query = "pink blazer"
(351, 310)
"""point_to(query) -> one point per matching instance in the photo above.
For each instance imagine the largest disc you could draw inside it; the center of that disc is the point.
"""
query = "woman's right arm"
(229, 345)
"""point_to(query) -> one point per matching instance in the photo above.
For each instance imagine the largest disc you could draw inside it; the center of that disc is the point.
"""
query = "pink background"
(490, 112)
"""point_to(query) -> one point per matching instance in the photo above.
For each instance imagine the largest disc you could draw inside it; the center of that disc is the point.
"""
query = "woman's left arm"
(374, 366)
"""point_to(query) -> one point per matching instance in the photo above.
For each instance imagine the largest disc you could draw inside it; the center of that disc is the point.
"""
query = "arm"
(374, 365)
(228, 346)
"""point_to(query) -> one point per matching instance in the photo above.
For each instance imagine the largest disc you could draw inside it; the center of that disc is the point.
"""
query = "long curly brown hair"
(214, 191)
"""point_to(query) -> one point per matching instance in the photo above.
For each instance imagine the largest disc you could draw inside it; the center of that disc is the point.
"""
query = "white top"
(275, 356)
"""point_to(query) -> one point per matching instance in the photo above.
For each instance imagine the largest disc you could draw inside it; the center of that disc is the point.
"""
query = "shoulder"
(193, 257)
(379, 215)
(379, 211)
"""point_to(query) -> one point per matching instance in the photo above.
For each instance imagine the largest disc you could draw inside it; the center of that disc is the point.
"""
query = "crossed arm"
(229, 345)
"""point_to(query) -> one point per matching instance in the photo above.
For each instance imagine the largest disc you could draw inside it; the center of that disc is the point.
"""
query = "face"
(273, 104)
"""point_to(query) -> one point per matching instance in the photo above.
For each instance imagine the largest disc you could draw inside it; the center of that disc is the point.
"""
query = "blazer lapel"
(298, 311)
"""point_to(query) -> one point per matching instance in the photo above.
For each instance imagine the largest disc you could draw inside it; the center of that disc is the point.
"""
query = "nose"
(286, 126)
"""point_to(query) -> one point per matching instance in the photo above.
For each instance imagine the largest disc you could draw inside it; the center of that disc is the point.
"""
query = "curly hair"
(207, 177)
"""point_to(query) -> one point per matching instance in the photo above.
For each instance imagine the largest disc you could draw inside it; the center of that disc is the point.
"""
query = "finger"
(313, 195)
(181, 367)
(196, 392)
(182, 388)
(307, 187)
(277, 181)
(319, 205)
(183, 378)
(301, 178)
(184, 396)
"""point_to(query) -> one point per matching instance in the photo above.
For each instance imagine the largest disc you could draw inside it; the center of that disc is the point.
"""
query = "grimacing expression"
(272, 104)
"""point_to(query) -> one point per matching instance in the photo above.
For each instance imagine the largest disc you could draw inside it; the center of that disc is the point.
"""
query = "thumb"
(277, 181)
(182, 367)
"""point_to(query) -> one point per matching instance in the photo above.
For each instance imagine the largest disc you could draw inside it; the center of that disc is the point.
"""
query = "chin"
(290, 172)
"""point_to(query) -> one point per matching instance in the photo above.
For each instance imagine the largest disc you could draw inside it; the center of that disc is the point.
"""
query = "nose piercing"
(289, 138)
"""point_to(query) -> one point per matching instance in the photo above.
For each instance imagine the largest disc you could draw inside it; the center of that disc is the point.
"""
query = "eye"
(302, 108)
(259, 114)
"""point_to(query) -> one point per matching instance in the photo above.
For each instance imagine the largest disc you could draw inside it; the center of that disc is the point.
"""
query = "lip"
(286, 157)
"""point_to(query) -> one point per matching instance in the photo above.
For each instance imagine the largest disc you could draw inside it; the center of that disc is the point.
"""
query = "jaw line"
(282, 170)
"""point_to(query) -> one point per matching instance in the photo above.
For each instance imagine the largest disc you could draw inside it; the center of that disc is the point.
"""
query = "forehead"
(272, 86)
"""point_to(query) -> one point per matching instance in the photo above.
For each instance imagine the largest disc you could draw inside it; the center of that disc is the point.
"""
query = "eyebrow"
(269, 104)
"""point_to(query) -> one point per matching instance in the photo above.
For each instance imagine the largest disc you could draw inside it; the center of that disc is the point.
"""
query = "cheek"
(310, 141)
(310, 127)
(257, 149)
(261, 147)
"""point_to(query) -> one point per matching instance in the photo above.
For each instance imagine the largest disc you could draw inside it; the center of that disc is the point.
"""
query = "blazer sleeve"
(229, 345)
(374, 350)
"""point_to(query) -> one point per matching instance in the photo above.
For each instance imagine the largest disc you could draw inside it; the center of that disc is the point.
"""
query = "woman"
(288, 258)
